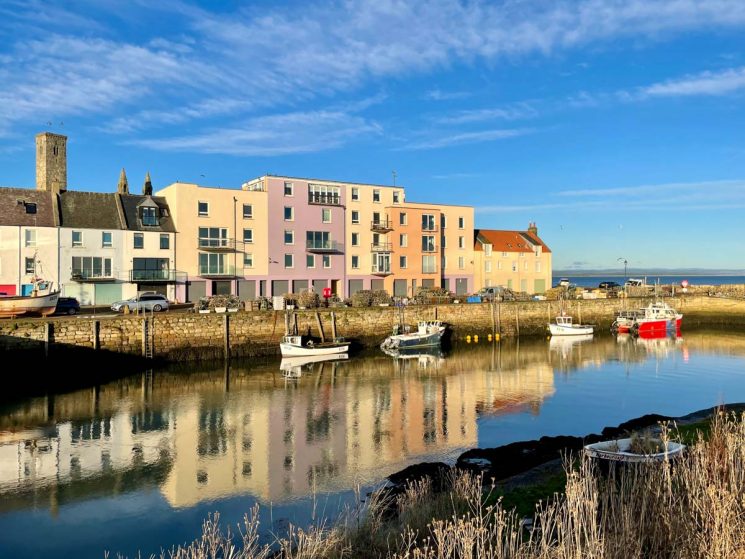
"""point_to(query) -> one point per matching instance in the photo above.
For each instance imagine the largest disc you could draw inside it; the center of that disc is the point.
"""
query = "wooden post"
(493, 304)
(333, 324)
(95, 326)
(144, 337)
(47, 335)
(226, 336)
(287, 323)
(517, 319)
(579, 312)
(295, 330)
(499, 318)
(320, 326)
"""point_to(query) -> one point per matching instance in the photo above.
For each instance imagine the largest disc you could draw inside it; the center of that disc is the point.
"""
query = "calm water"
(138, 463)
(593, 281)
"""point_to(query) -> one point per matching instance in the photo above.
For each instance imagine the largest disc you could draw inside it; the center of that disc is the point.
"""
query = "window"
(248, 260)
(319, 240)
(248, 211)
(212, 264)
(310, 261)
(461, 262)
(487, 250)
(381, 264)
(355, 262)
(461, 242)
(402, 218)
(30, 207)
(326, 261)
(355, 239)
(428, 222)
(403, 240)
(355, 216)
(355, 193)
(376, 217)
(499, 265)
(525, 267)
(376, 195)
(30, 266)
(522, 255)
(443, 221)
(514, 266)
(504, 255)
(248, 236)
(289, 213)
(461, 222)
(149, 216)
(428, 243)
(91, 267)
(139, 240)
(77, 239)
(537, 266)
(106, 239)
(326, 215)
(289, 189)
(213, 237)
(322, 194)
(204, 209)
(289, 237)
(289, 261)
(165, 241)
(30, 237)
(487, 266)
(428, 264)
(396, 197)
(402, 261)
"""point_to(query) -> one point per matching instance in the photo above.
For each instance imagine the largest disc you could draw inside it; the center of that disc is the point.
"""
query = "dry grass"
(692, 507)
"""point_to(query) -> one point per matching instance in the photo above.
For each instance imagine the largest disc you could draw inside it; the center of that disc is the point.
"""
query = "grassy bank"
(691, 507)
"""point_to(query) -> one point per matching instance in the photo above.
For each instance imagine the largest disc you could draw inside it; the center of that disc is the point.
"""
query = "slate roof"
(89, 210)
(14, 204)
(508, 241)
(132, 221)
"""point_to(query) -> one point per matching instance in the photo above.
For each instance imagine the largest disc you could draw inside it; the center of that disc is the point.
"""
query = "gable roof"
(13, 207)
(131, 203)
(508, 241)
(89, 210)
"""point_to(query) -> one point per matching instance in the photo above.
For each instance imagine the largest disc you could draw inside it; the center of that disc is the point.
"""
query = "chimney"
(147, 188)
(51, 162)
(532, 229)
(123, 186)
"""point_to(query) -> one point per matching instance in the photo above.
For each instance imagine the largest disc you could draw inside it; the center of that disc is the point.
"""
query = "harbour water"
(138, 463)
(594, 281)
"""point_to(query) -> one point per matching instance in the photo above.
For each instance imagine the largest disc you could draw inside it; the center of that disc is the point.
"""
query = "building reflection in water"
(206, 435)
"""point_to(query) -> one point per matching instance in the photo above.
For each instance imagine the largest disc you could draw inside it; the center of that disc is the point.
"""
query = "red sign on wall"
(326, 292)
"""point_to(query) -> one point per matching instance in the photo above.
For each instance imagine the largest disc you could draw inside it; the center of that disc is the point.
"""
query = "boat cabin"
(564, 320)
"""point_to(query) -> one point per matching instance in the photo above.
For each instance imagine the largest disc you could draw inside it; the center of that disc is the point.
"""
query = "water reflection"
(206, 435)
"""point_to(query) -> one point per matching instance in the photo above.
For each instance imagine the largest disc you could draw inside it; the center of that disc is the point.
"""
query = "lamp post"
(625, 265)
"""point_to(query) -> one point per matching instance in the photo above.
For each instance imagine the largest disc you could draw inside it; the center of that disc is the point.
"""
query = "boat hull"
(573, 330)
(414, 340)
(43, 305)
(292, 350)
(643, 326)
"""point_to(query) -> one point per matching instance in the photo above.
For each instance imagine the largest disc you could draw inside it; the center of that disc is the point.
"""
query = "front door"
(335, 287)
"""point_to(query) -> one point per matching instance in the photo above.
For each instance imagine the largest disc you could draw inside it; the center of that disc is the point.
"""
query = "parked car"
(144, 302)
(496, 293)
(608, 285)
(67, 305)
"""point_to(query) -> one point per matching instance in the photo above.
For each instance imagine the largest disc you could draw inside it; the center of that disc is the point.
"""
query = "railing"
(381, 247)
(429, 248)
(381, 226)
(431, 228)
(323, 246)
(211, 244)
(217, 271)
(91, 275)
(381, 271)
(324, 199)
(164, 276)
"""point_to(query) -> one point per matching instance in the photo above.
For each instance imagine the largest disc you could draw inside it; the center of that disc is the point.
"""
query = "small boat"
(563, 326)
(42, 301)
(428, 333)
(292, 346)
(619, 450)
(655, 317)
(292, 367)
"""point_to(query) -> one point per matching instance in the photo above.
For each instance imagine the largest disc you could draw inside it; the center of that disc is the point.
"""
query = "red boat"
(656, 317)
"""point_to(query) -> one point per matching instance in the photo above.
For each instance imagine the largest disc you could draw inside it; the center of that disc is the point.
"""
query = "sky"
(617, 126)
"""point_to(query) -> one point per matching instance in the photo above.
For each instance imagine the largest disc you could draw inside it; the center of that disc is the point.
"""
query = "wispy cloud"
(469, 138)
(705, 83)
(439, 95)
(516, 111)
(456, 176)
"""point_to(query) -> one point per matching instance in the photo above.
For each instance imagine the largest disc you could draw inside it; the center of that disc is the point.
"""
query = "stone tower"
(532, 228)
(147, 188)
(51, 162)
(123, 186)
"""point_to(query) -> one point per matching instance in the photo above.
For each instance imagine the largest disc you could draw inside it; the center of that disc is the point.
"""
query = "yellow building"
(519, 260)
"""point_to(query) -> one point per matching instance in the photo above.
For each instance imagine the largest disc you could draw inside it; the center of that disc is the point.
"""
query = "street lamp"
(625, 265)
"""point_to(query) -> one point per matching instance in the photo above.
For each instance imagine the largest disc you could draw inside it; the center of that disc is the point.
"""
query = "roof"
(14, 207)
(508, 241)
(90, 210)
(132, 220)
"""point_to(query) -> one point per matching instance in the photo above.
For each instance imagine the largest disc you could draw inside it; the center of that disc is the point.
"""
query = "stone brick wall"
(185, 336)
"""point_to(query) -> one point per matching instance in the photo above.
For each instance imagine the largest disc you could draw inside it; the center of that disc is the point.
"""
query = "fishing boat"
(563, 326)
(293, 346)
(427, 333)
(41, 301)
(292, 367)
(655, 317)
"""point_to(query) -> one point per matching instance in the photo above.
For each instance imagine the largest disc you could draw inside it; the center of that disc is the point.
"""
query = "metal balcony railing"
(381, 226)
(381, 247)
(212, 244)
(325, 199)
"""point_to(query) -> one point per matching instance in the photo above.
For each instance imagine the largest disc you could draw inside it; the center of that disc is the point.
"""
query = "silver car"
(145, 302)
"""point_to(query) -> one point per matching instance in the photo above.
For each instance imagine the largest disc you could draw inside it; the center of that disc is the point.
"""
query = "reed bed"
(690, 507)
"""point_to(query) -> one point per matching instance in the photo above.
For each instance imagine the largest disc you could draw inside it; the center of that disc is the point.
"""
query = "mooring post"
(95, 325)
(47, 335)
(320, 326)
(517, 319)
(226, 336)
(333, 324)
(144, 337)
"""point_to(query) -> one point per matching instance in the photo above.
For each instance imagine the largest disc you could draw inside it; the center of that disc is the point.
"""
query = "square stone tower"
(51, 162)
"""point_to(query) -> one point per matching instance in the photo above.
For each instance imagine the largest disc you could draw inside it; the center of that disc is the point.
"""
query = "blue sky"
(618, 126)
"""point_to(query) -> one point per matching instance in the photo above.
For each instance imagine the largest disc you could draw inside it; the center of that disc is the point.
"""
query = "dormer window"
(149, 216)
(30, 207)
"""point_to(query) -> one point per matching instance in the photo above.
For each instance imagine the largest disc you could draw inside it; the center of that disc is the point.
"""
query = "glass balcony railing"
(323, 198)
(214, 244)
(381, 247)
(323, 246)
(162, 276)
(217, 271)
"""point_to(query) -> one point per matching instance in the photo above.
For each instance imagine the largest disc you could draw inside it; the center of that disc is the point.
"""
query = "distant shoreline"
(637, 274)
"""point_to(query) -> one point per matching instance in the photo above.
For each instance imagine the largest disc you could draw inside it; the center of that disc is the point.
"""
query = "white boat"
(618, 450)
(42, 301)
(292, 346)
(292, 367)
(428, 333)
(563, 326)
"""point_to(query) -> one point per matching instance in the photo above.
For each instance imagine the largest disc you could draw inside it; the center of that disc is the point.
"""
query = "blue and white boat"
(427, 334)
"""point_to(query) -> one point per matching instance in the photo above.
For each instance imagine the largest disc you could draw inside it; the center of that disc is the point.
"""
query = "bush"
(381, 297)
(290, 299)
(362, 298)
(309, 299)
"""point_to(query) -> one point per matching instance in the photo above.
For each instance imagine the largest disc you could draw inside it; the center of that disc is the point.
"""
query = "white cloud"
(438, 95)
(706, 83)
(516, 111)
(442, 141)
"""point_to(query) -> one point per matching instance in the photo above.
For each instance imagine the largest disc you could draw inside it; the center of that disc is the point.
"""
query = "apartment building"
(519, 260)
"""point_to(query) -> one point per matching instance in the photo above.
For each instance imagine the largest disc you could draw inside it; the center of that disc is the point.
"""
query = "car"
(496, 293)
(609, 285)
(144, 302)
(67, 305)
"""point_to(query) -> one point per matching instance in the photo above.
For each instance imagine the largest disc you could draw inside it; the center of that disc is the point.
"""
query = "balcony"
(211, 244)
(323, 246)
(381, 270)
(429, 248)
(324, 199)
(157, 276)
(385, 226)
(219, 272)
(92, 276)
(429, 228)
(381, 247)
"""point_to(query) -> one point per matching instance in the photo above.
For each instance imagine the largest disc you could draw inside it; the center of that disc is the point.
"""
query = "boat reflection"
(424, 357)
(294, 367)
